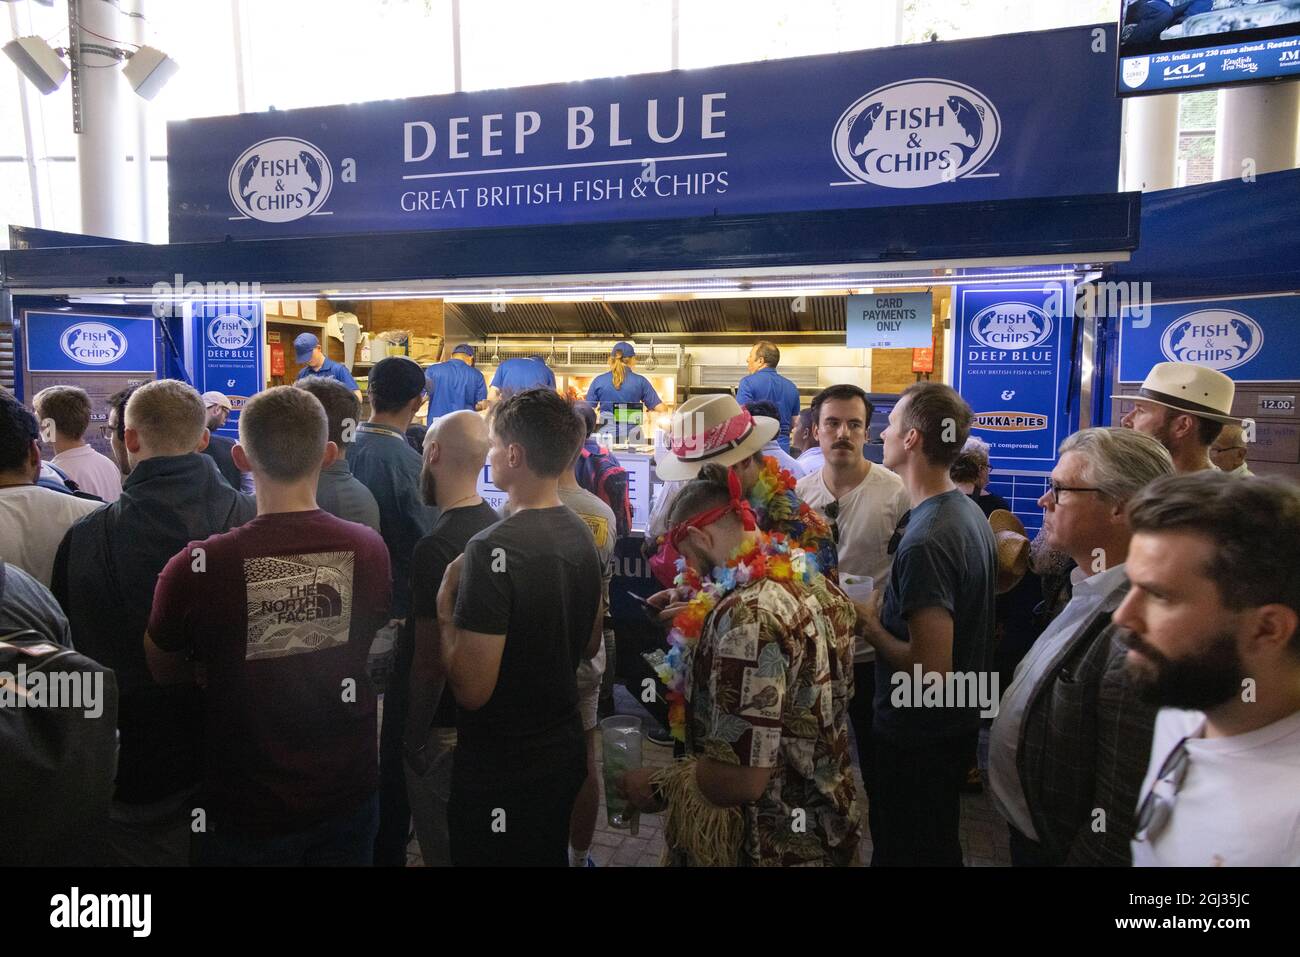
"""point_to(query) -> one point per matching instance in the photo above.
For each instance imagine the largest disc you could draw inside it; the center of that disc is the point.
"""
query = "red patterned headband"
(715, 441)
(738, 504)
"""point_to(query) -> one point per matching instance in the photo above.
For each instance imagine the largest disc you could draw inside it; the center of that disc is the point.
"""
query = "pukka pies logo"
(231, 332)
(280, 179)
(1219, 338)
(92, 344)
(916, 133)
(1011, 325)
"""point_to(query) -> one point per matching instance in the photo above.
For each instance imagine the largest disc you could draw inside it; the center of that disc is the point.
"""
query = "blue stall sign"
(83, 342)
(924, 123)
(229, 337)
(901, 320)
(1011, 363)
(1225, 334)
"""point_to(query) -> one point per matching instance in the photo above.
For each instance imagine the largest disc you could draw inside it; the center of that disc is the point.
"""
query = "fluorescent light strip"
(720, 288)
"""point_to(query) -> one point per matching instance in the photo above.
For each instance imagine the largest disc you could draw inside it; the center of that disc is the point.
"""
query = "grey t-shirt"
(947, 558)
(26, 603)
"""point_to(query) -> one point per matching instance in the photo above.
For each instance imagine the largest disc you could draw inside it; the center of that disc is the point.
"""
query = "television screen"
(1167, 45)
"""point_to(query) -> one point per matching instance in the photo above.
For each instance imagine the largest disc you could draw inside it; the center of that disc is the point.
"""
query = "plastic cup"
(858, 587)
(620, 738)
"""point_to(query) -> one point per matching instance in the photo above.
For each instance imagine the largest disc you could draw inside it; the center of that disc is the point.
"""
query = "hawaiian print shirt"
(769, 687)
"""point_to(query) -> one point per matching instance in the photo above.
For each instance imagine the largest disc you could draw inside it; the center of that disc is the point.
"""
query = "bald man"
(455, 449)
(1229, 452)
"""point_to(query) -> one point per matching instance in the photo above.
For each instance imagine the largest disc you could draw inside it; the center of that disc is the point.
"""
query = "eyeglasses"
(899, 531)
(1227, 448)
(833, 512)
(107, 433)
(1158, 809)
(1058, 489)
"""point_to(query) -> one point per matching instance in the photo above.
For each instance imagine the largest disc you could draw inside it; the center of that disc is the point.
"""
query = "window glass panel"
(508, 43)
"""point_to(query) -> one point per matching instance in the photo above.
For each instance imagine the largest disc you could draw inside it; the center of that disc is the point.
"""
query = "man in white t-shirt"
(63, 412)
(33, 520)
(1213, 630)
(863, 503)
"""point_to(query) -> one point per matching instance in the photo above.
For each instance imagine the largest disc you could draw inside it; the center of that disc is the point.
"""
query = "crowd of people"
(813, 610)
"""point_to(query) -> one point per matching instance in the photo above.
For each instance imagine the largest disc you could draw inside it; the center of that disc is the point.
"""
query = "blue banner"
(229, 348)
(901, 320)
(1011, 364)
(1225, 334)
(980, 119)
(1210, 66)
(86, 343)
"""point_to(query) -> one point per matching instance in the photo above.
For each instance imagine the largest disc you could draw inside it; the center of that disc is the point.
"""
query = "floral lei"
(779, 509)
(769, 556)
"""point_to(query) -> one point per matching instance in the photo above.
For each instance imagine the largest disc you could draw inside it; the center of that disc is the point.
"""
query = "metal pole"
(102, 142)
(455, 46)
(30, 151)
(141, 132)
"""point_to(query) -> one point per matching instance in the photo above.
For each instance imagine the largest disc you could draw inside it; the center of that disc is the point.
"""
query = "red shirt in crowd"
(281, 613)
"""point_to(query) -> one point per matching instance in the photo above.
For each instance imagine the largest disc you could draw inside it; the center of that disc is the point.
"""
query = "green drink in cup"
(620, 738)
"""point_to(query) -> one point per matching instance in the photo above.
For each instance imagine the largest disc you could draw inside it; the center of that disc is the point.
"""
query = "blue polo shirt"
(766, 385)
(453, 386)
(516, 375)
(330, 370)
(636, 391)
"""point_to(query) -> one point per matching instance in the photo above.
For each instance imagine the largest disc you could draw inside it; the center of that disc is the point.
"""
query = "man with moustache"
(1071, 735)
(864, 503)
(454, 451)
(1213, 619)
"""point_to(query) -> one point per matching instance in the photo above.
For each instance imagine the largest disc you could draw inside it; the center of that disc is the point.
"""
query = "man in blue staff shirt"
(764, 384)
(516, 375)
(307, 348)
(455, 384)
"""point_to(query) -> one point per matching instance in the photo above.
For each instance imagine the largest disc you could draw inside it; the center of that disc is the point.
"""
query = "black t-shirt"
(433, 553)
(990, 503)
(946, 559)
(534, 577)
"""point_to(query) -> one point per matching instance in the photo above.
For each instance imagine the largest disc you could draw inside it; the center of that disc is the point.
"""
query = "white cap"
(217, 398)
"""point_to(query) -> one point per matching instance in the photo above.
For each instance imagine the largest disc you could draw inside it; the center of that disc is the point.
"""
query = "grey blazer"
(1084, 747)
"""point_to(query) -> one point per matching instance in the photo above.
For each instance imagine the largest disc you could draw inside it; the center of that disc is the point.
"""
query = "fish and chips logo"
(1011, 325)
(916, 133)
(1219, 338)
(281, 179)
(93, 344)
(232, 332)
(1009, 421)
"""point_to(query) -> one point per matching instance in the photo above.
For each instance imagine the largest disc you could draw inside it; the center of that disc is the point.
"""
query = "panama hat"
(1186, 387)
(1013, 549)
(712, 430)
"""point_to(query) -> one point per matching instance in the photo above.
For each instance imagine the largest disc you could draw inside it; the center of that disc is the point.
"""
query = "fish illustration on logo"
(860, 130)
(971, 119)
(246, 175)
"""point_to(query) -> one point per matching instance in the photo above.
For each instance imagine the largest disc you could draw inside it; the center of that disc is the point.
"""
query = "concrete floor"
(983, 832)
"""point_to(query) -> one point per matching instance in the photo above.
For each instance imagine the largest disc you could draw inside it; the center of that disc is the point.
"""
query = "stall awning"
(1068, 230)
(1220, 239)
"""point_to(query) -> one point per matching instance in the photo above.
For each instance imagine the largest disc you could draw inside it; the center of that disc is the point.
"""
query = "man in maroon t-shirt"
(275, 619)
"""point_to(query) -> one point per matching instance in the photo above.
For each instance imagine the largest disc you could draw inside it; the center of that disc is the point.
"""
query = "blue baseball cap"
(304, 346)
(625, 348)
(464, 349)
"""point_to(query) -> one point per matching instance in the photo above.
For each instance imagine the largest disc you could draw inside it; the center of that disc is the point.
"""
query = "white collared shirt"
(1004, 740)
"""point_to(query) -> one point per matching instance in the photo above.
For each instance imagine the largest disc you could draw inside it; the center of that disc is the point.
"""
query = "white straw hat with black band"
(712, 430)
(1186, 387)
